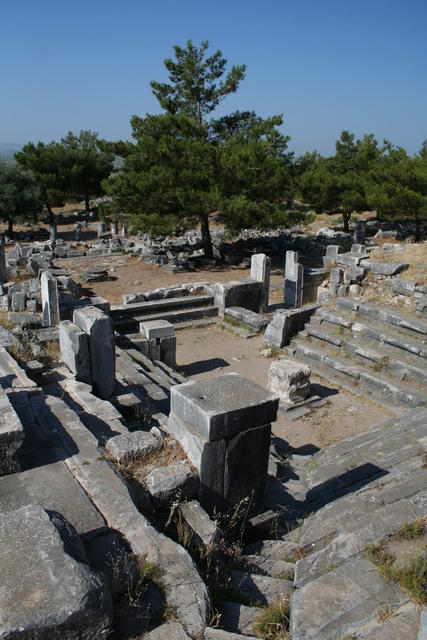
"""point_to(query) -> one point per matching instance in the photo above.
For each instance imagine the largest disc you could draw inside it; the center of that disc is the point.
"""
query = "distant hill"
(7, 151)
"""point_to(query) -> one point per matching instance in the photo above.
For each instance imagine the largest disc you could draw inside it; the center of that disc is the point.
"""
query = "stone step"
(12, 376)
(134, 374)
(260, 589)
(238, 618)
(156, 373)
(269, 567)
(371, 354)
(152, 307)
(413, 326)
(353, 538)
(403, 481)
(327, 607)
(188, 315)
(401, 392)
(184, 590)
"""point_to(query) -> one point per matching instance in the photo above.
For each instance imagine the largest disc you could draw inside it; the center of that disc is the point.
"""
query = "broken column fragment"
(99, 327)
(224, 425)
(290, 380)
(260, 271)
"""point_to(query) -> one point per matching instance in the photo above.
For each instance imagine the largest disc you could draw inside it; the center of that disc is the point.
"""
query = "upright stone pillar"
(99, 327)
(101, 229)
(3, 268)
(114, 228)
(330, 258)
(77, 231)
(359, 232)
(124, 232)
(224, 425)
(50, 299)
(260, 271)
(74, 345)
(294, 281)
(52, 234)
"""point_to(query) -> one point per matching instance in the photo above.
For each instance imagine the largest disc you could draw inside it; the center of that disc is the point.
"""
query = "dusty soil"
(132, 276)
(202, 353)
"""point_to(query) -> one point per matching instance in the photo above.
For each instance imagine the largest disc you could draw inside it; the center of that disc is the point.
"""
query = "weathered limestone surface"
(99, 327)
(219, 634)
(3, 269)
(204, 530)
(255, 320)
(238, 618)
(258, 588)
(154, 329)
(11, 436)
(74, 345)
(184, 589)
(47, 590)
(286, 323)
(260, 271)
(50, 299)
(164, 483)
(168, 631)
(294, 281)
(132, 446)
(53, 487)
(223, 425)
(243, 293)
(325, 608)
(290, 380)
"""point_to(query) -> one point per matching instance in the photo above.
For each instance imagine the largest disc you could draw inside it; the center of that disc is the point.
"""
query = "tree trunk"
(346, 220)
(10, 228)
(417, 229)
(86, 203)
(206, 236)
(51, 214)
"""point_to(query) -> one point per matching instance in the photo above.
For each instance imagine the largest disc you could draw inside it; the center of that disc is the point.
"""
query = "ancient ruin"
(193, 458)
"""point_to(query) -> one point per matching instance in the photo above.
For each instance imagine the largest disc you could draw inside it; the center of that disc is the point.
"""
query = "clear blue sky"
(327, 65)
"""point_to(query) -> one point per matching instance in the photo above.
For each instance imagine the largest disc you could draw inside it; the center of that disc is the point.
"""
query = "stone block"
(74, 346)
(294, 281)
(260, 271)
(336, 275)
(330, 257)
(4, 302)
(19, 299)
(246, 294)
(246, 466)
(224, 405)
(168, 351)
(255, 320)
(132, 446)
(204, 530)
(11, 436)
(32, 306)
(285, 324)
(50, 299)
(155, 329)
(165, 482)
(48, 590)
(25, 318)
(290, 380)
(3, 268)
(99, 327)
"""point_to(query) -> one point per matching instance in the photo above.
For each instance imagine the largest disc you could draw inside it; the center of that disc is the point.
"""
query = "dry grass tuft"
(171, 452)
(384, 613)
(273, 623)
(414, 254)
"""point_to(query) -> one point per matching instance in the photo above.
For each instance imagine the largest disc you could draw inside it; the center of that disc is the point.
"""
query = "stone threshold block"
(155, 329)
(224, 425)
(255, 320)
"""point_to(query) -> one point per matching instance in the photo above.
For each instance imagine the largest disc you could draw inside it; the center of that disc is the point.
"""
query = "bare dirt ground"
(202, 353)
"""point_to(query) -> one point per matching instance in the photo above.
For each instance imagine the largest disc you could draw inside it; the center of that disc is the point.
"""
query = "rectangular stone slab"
(54, 488)
(154, 329)
(223, 406)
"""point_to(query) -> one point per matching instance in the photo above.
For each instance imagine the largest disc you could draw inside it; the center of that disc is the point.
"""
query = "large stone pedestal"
(224, 425)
